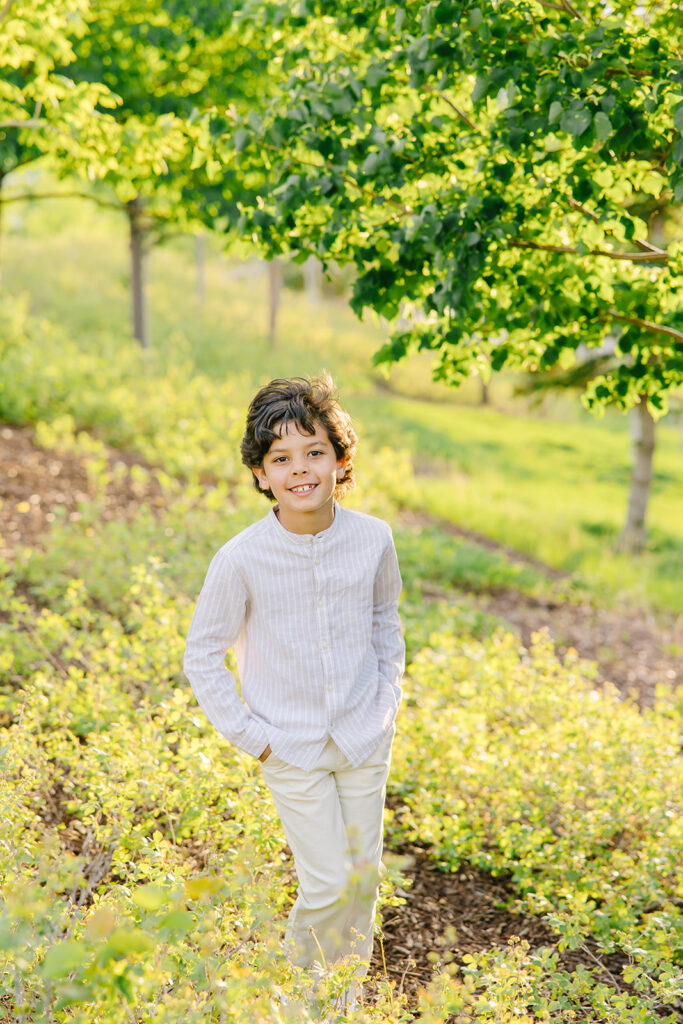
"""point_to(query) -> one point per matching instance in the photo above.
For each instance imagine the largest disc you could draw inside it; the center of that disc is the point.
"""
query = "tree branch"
(18, 123)
(642, 244)
(634, 257)
(570, 9)
(647, 325)
(460, 113)
(28, 196)
(375, 195)
(4, 11)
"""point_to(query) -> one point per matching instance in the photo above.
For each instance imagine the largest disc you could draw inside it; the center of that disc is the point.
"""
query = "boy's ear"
(341, 467)
(261, 477)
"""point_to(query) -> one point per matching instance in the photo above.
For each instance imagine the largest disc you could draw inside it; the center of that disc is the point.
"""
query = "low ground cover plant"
(143, 865)
(142, 868)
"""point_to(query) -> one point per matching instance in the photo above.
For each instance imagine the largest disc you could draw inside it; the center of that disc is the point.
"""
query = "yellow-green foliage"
(143, 865)
(48, 379)
(515, 762)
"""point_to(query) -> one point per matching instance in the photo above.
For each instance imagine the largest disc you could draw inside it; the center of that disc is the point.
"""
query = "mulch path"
(634, 649)
(468, 911)
(34, 483)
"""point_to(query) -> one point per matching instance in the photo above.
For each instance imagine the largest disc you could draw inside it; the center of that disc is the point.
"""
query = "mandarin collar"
(306, 539)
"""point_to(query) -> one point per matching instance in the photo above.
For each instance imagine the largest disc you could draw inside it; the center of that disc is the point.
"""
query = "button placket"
(323, 627)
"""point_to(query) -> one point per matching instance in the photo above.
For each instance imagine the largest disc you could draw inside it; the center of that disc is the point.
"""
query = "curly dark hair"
(304, 401)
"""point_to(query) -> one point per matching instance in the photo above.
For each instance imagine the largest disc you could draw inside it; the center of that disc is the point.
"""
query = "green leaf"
(575, 122)
(126, 940)
(476, 18)
(678, 118)
(70, 994)
(240, 139)
(555, 111)
(372, 163)
(62, 958)
(205, 885)
(480, 87)
(150, 897)
(177, 921)
(603, 126)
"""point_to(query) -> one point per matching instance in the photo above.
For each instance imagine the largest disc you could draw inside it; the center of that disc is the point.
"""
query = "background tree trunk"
(274, 289)
(200, 268)
(138, 270)
(2, 225)
(313, 281)
(643, 434)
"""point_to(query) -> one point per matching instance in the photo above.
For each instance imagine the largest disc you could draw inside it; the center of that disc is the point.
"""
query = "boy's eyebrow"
(314, 443)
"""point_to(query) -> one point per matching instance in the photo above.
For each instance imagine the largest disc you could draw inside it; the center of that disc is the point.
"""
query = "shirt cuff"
(253, 739)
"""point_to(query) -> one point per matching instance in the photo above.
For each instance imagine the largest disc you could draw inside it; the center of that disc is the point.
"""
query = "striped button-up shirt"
(313, 619)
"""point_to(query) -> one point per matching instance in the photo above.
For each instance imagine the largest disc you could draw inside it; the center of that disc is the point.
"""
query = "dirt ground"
(633, 649)
(468, 911)
(455, 913)
(35, 482)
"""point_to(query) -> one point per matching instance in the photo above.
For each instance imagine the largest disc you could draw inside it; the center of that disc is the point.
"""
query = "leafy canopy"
(42, 109)
(498, 169)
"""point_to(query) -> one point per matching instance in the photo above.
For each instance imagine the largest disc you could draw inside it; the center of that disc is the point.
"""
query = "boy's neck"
(306, 522)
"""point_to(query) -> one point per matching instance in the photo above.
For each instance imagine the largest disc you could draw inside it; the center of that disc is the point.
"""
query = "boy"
(308, 596)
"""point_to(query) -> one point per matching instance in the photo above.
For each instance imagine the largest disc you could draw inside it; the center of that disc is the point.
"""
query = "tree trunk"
(643, 435)
(200, 268)
(274, 288)
(313, 281)
(138, 270)
(2, 239)
(484, 392)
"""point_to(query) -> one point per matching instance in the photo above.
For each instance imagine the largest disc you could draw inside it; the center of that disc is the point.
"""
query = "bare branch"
(635, 257)
(582, 209)
(28, 196)
(25, 123)
(379, 199)
(570, 9)
(460, 113)
(647, 325)
(5, 9)
(640, 242)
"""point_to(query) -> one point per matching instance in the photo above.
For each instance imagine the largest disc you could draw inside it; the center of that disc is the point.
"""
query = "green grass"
(556, 491)
(555, 488)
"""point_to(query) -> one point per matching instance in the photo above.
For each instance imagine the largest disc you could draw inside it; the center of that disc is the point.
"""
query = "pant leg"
(310, 812)
(332, 817)
(362, 792)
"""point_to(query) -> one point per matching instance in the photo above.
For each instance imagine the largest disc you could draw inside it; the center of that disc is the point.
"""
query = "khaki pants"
(332, 817)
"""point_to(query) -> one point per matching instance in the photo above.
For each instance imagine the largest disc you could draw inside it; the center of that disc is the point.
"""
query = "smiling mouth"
(303, 489)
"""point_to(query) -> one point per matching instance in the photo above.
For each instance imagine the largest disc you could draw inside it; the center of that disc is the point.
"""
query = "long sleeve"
(216, 625)
(387, 638)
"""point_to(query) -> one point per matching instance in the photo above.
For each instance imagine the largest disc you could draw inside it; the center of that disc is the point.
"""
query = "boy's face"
(301, 471)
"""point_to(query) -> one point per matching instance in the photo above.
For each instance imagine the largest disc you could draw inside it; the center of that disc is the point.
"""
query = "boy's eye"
(280, 458)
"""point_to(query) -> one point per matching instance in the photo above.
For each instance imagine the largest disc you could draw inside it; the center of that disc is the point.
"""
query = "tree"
(494, 164)
(42, 110)
(167, 64)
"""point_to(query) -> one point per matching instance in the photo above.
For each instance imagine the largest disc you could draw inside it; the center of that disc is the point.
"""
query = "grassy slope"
(555, 488)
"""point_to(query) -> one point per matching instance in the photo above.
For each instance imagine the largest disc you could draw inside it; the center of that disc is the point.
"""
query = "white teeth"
(302, 490)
